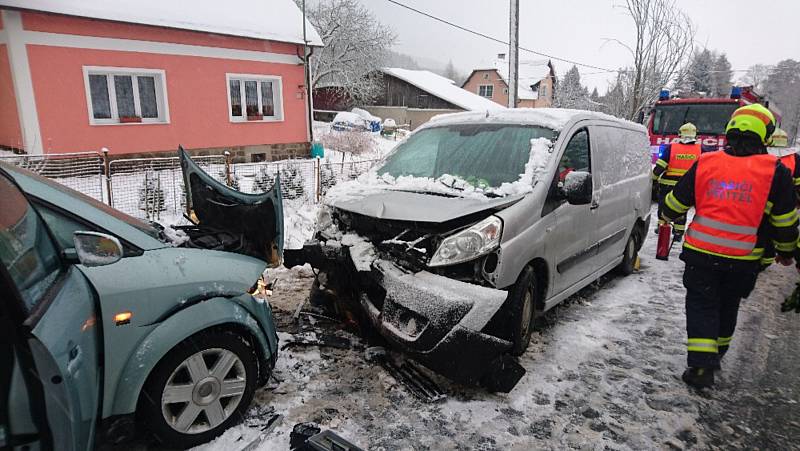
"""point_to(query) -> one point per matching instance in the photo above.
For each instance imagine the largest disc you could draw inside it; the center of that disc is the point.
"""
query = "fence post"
(318, 179)
(107, 170)
(228, 179)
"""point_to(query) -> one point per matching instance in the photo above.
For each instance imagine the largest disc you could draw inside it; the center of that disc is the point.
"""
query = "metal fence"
(80, 171)
(153, 188)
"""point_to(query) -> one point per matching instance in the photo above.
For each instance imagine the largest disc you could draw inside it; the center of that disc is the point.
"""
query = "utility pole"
(513, 52)
(307, 80)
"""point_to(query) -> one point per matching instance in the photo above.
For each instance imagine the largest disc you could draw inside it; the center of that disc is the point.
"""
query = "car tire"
(629, 255)
(188, 377)
(523, 310)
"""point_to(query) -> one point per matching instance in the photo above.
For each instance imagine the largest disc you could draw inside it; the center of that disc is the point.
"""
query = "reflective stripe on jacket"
(730, 198)
(681, 158)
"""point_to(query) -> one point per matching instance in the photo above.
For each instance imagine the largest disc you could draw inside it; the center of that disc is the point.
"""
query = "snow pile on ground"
(298, 223)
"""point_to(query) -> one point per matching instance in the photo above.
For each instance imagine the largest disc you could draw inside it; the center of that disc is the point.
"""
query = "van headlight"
(470, 243)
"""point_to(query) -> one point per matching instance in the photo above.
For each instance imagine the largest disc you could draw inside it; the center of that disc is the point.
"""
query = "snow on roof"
(530, 73)
(275, 20)
(443, 88)
(553, 118)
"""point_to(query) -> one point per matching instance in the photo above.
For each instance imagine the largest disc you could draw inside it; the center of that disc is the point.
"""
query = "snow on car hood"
(419, 207)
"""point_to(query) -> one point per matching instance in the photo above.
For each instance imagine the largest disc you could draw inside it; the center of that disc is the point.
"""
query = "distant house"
(143, 77)
(414, 96)
(536, 83)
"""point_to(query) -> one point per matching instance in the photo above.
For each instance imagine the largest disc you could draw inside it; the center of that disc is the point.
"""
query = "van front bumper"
(436, 320)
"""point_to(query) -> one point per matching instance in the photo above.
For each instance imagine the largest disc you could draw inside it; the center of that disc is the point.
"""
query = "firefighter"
(673, 161)
(736, 193)
(778, 145)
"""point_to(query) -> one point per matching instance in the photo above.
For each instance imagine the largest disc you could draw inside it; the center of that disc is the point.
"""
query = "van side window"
(576, 155)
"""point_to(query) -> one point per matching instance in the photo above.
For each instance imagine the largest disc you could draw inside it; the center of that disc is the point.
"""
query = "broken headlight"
(470, 243)
(324, 221)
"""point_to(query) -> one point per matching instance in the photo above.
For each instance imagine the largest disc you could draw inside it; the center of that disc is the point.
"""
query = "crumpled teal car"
(108, 326)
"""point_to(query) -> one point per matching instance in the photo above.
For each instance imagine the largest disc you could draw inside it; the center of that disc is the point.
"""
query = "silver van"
(477, 224)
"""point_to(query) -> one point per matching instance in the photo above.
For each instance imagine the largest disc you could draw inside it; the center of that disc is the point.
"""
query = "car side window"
(61, 226)
(26, 249)
(576, 155)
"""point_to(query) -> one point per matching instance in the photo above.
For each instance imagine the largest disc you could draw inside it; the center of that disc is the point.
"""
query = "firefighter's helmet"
(778, 139)
(687, 131)
(753, 118)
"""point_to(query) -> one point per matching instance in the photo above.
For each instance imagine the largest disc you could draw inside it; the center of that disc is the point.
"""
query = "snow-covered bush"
(353, 143)
(292, 181)
(151, 196)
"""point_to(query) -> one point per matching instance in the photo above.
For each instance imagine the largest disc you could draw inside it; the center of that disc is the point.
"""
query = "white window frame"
(277, 96)
(161, 94)
(486, 86)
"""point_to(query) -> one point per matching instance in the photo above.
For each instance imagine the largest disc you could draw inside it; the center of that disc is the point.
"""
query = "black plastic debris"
(317, 339)
(504, 373)
(309, 437)
(412, 377)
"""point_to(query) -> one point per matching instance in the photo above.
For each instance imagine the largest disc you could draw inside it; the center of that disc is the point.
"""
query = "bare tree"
(661, 50)
(356, 45)
(756, 76)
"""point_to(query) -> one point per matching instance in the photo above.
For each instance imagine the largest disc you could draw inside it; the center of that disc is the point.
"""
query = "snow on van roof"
(275, 20)
(444, 88)
(553, 118)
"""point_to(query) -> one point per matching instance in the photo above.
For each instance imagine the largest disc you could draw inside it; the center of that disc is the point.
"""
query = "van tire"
(171, 368)
(629, 255)
(522, 311)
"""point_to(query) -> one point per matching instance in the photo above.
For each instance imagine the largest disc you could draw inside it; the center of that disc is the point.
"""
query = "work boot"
(699, 377)
(677, 237)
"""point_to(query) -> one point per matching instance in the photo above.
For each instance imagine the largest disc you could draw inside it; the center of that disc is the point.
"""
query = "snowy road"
(603, 373)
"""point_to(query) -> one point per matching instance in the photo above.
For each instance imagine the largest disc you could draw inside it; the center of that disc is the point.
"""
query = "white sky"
(579, 29)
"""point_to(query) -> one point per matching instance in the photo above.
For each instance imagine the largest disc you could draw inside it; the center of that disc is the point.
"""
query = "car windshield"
(709, 118)
(485, 155)
(130, 220)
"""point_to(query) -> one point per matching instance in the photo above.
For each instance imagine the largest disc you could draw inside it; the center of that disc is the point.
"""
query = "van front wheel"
(630, 255)
(522, 310)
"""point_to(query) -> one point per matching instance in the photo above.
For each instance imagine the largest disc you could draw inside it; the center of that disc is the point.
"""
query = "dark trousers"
(679, 224)
(712, 305)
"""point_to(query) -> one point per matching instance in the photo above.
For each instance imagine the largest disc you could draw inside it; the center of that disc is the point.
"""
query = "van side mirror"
(578, 188)
(96, 249)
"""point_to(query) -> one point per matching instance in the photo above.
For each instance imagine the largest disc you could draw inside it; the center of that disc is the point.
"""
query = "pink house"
(143, 77)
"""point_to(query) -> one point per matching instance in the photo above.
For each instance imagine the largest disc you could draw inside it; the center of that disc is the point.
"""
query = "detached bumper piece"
(309, 437)
(434, 319)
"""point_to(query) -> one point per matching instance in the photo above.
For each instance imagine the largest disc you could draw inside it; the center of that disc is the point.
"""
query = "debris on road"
(310, 437)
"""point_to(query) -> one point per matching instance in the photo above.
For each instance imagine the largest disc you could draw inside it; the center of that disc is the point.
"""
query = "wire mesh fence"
(153, 188)
(82, 171)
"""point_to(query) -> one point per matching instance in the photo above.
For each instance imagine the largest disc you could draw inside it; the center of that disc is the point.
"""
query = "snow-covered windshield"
(484, 155)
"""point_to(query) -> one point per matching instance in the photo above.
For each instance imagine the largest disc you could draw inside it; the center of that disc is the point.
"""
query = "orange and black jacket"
(661, 171)
(778, 224)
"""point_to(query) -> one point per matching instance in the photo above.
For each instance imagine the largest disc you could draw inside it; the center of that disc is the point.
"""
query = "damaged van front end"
(447, 316)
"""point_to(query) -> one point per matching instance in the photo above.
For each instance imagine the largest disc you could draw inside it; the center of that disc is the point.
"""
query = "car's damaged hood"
(420, 207)
(256, 219)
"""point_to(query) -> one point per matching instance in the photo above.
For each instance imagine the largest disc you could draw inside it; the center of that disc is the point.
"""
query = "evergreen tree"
(571, 93)
(451, 73)
(721, 76)
(699, 75)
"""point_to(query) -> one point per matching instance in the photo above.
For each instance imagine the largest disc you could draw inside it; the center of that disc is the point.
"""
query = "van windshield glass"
(482, 154)
(709, 118)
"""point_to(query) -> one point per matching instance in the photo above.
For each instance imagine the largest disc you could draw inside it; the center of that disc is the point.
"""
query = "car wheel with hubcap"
(200, 388)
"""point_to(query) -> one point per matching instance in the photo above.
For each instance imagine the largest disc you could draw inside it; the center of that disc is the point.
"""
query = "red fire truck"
(709, 115)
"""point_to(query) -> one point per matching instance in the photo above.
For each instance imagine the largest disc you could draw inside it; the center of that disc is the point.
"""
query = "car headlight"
(470, 243)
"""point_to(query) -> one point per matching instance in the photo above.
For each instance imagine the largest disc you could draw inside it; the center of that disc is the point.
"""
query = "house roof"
(274, 20)
(531, 72)
(444, 88)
